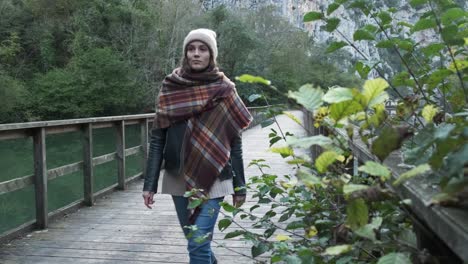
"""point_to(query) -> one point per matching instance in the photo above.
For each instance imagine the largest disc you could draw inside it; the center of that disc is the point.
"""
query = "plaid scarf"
(215, 114)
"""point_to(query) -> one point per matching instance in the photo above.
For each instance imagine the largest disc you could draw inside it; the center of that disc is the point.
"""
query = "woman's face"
(198, 55)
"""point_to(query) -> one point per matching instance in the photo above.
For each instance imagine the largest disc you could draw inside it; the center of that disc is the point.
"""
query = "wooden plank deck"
(120, 229)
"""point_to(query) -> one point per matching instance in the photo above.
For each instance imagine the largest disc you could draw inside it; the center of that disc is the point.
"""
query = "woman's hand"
(238, 200)
(148, 198)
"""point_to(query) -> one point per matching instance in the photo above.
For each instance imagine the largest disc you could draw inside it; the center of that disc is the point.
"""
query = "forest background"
(83, 58)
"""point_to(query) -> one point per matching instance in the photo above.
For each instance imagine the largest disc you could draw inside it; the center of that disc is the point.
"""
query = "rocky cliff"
(351, 20)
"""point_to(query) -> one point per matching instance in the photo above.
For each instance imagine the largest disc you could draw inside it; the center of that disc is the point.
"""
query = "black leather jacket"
(166, 144)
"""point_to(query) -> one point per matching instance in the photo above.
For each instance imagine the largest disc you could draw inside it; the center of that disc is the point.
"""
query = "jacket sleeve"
(238, 165)
(155, 158)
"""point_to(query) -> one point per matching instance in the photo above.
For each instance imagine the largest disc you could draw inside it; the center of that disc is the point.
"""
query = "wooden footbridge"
(117, 228)
(109, 223)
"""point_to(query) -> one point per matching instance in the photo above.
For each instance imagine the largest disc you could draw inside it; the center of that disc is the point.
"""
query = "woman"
(197, 131)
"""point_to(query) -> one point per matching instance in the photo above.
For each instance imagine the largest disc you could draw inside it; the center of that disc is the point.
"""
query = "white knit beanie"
(205, 35)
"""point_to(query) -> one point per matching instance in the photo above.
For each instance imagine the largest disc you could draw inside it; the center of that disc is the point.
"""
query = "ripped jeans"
(199, 252)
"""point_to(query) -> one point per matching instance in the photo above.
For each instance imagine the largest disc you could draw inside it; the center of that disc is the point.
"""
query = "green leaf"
(408, 237)
(295, 225)
(234, 234)
(428, 112)
(338, 94)
(247, 78)
(370, 28)
(423, 24)
(402, 79)
(416, 3)
(325, 159)
(291, 259)
(385, 44)
(312, 16)
(338, 250)
(332, 24)
(227, 207)
(283, 151)
(376, 169)
(394, 258)
(344, 109)
(308, 96)
(404, 44)
(452, 15)
(368, 231)
(308, 178)
(350, 188)
(267, 122)
(405, 24)
(254, 97)
(443, 131)
(374, 91)
(224, 223)
(384, 17)
(345, 260)
(362, 69)
(357, 213)
(412, 173)
(450, 35)
(336, 46)
(307, 142)
(360, 4)
(195, 203)
(388, 140)
(361, 34)
(259, 249)
(437, 77)
(456, 161)
(432, 49)
(461, 65)
(292, 117)
(332, 7)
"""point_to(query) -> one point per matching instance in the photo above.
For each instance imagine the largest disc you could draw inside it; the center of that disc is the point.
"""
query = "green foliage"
(39, 41)
(357, 219)
(394, 258)
(339, 211)
(96, 82)
(308, 96)
(376, 169)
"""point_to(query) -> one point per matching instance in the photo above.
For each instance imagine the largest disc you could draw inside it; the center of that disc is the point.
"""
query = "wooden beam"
(120, 126)
(144, 144)
(40, 178)
(64, 170)
(16, 184)
(14, 134)
(132, 122)
(62, 129)
(103, 125)
(132, 150)
(53, 123)
(88, 175)
(104, 158)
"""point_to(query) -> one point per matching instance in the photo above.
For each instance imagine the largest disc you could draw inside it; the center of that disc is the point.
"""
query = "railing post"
(88, 175)
(144, 144)
(121, 154)
(40, 178)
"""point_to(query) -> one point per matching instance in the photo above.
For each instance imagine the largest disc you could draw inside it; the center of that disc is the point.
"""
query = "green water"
(16, 160)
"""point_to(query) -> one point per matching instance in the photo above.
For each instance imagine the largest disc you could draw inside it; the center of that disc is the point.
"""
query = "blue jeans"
(199, 252)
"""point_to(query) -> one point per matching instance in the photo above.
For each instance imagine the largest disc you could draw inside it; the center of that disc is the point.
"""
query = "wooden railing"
(443, 230)
(42, 174)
